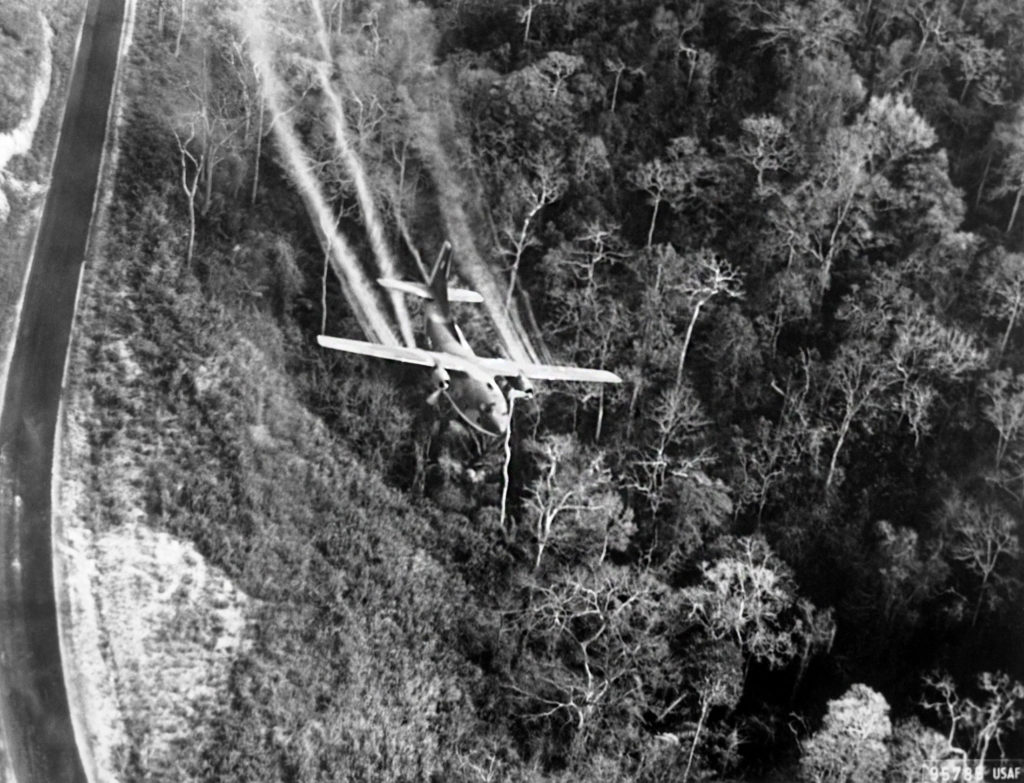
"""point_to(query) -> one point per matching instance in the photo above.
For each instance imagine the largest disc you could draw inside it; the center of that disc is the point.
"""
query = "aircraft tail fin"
(438, 282)
(442, 266)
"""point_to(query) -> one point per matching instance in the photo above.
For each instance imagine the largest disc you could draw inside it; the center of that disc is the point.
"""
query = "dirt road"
(33, 699)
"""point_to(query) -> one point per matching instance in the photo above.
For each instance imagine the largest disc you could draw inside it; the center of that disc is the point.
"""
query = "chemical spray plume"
(371, 218)
(467, 257)
(358, 290)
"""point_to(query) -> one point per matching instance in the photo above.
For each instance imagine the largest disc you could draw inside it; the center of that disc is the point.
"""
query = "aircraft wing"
(548, 372)
(397, 353)
(537, 372)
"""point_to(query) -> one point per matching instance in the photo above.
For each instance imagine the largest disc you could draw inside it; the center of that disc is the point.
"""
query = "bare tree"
(982, 723)
(980, 65)
(617, 67)
(982, 539)
(718, 681)
(765, 147)
(181, 28)
(254, 107)
(747, 597)
(1009, 137)
(526, 15)
(857, 380)
(672, 179)
(677, 412)
(191, 168)
(1007, 294)
(708, 276)
(770, 455)
(826, 205)
(654, 178)
(556, 68)
(1005, 410)
(573, 503)
(600, 622)
(215, 114)
(543, 184)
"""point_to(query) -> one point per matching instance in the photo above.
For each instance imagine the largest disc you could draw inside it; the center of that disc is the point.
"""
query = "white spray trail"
(374, 225)
(358, 290)
(467, 257)
(371, 217)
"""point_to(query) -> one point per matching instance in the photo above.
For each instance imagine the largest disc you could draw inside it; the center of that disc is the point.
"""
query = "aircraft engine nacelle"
(440, 378)
(522, 384)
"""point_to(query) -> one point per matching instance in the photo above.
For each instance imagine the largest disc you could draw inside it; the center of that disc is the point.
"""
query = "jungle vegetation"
(788, 545)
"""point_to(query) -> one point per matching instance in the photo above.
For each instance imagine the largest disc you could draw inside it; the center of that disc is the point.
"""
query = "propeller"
(442, 380)
(522, 385)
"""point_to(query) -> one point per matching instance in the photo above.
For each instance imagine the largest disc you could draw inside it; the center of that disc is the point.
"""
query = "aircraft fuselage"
(475, 394)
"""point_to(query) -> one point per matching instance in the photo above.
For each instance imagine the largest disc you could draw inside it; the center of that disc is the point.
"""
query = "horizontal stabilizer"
(420, 290)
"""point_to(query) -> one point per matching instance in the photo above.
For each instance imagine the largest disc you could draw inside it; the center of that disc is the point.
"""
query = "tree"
(673, 180)
(864, 185)
(707, 276)
(1009, 138)
(915, 747)
(190, 183)
(799, 32)
(767, 457)
(210, 107)
(815, 632)
(658, 270)
(983, 538)
(927, 355)
(980, 723)
(254, 103)
(655, 179)
(1006, 292)
(578, 273)
(1005, 410)
(981, 66)
(717, 678)
(747, 596)
(856, 381)
(590, 639)
(542, 183)
(526, 15)
(618, 67)
(934, 23)
(575, 512)
(579, 293)
(910, 573)
(786, 448)
(181, 28)
(539, 110)
(557, 68)
(765, 146)
(820, 220)
(819, 95)
(852, 744)
(677, 412)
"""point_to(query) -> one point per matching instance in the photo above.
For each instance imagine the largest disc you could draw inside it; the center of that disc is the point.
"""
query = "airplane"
(468, 381)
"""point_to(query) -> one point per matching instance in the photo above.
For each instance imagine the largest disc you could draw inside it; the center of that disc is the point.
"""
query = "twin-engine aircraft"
(467, 380)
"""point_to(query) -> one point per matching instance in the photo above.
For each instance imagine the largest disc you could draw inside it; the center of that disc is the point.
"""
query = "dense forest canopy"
(794, 228)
